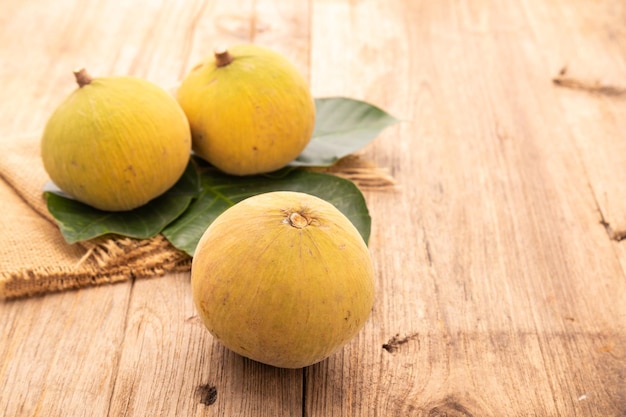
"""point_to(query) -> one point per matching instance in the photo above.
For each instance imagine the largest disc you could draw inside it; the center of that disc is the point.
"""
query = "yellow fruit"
(283, 278)
(249, 108)
(116, 142)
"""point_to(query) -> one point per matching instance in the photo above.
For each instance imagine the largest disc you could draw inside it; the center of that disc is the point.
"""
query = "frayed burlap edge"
(40, 281)
(111, 260)
(105, 262)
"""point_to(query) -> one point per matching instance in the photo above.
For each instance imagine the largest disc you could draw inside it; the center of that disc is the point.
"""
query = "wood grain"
(499, 310)
(588, 49)
(500, 279)
(60, 355)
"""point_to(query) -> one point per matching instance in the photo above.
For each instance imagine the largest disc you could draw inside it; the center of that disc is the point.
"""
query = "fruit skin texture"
(250, 116)
(116, 143)
(277, 290)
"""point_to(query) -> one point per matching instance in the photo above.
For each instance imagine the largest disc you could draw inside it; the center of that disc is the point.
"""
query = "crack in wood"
(396, 341)
(594, 87)
(617, 235)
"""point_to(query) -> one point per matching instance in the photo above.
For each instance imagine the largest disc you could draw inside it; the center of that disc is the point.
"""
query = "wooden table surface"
(501, 278)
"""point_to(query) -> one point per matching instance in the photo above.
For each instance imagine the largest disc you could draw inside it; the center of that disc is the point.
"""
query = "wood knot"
(449, 408)
(207, 394)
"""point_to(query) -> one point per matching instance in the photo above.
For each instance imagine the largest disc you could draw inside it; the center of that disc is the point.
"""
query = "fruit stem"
(222, 57)
(298, 220)
(82, 77)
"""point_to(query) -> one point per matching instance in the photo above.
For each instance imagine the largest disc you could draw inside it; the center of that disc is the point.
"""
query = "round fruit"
(116, 142)
(249, 108)
(283, 278)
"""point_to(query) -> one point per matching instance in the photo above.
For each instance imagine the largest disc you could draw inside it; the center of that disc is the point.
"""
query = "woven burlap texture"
(34, 257)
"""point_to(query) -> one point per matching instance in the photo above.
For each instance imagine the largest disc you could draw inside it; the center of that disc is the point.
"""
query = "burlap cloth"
(34, 257)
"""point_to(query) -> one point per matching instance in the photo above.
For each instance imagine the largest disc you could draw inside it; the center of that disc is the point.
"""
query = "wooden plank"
(585, 54)
(497, 283)
(475, 374)
(104, 37)
(60, 354)
(170, 365)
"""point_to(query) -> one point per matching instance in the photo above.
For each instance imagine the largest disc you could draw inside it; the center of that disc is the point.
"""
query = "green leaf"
(342, 126)
(222, 191)
(78, 221)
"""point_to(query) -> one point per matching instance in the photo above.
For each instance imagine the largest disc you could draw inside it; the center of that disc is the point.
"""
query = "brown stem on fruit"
(82, 77)
(222, 57)
(298, 220)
